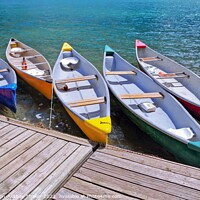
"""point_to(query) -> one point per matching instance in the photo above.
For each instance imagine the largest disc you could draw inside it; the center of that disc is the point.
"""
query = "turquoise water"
(171, 27)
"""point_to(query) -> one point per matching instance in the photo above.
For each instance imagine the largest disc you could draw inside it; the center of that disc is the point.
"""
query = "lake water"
(171, 27)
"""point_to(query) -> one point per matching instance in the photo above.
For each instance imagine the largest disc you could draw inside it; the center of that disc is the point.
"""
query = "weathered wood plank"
(65, 194)
(143, 180)
(70, 164)
(21, 136)
(120, 72)
(87, 102)
(147, 170)
(121, 186)
(17, 151)
(82, 78)
(30, 167)
(33, 146)
(44, 171)
(7, 129)
(141, 95)
(10, 135)
(3, 124)
(155, 162)
(53, 133)
(93, 190)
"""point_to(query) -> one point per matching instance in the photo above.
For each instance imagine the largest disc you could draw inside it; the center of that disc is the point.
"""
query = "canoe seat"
(4, 70)
(173, 76)
(147, 106)
(87, 102)
(172, 84)
(69, 62)
(120, 72)
(141, 95)
(81, 78)
(35, 72)
(185, 133)
(149, 59)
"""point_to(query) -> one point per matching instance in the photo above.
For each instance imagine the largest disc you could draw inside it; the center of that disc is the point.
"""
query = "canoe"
(153, 109)
(31, 66)
(83, 92)
(173, 77)
(8, 86)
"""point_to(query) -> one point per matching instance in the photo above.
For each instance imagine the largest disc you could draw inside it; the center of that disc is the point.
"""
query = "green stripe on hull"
(180, 150)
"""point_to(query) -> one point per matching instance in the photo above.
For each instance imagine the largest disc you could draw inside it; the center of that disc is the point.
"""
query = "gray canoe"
(152, 108)
(173, 77)
(83, 92)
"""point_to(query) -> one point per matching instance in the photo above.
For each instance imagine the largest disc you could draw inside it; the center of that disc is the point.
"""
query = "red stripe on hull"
(194, 110)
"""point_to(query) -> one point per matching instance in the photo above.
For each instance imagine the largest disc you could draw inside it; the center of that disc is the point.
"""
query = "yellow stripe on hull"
(42, 86)
(96, 129)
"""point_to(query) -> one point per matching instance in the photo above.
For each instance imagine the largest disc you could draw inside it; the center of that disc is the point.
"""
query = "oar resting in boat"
(152, 108)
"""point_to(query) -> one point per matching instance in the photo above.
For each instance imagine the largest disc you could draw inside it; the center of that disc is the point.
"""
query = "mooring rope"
(51, 109)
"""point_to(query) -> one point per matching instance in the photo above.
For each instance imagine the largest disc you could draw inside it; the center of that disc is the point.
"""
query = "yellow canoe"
(83, 93)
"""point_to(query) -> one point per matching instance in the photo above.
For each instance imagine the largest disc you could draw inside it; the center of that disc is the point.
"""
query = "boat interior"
(36, 65)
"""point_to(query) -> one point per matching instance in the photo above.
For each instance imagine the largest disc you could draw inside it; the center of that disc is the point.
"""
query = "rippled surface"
(171, 27)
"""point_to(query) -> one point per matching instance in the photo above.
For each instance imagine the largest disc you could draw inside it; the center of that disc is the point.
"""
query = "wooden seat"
(120, 72)
(34, 56)
(32, 64)
(87, 102)
(4, 70)
(149, 59)
(82, 78)
(173, 76)
(141, 95)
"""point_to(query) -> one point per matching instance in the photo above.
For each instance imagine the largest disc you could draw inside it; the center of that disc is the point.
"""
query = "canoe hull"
(8, 96)
(39, 80)
(180, 150)
(40, 85)
(86, 98)
(193, 109)
(93, 133)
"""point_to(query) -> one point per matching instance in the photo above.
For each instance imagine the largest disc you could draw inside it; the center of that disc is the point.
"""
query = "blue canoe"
(8, 86)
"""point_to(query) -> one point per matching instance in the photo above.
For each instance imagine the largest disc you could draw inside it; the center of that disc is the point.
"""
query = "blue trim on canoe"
(194, 145)
(8, 96)
(108, 49)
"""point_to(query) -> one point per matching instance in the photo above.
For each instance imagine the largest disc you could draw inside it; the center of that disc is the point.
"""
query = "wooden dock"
(42, 164)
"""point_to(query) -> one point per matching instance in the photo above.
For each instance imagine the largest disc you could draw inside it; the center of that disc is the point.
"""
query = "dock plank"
(30, 167)
(43, 171)
(7, 129)
(21, 156)
(3, 124)
(62, 172)
(147, 170)
(20, 137)
(121, 186)
(4, 160)
(89, 189)
(66, 137)
(152, 161)
(64, 193)
(143, 180)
